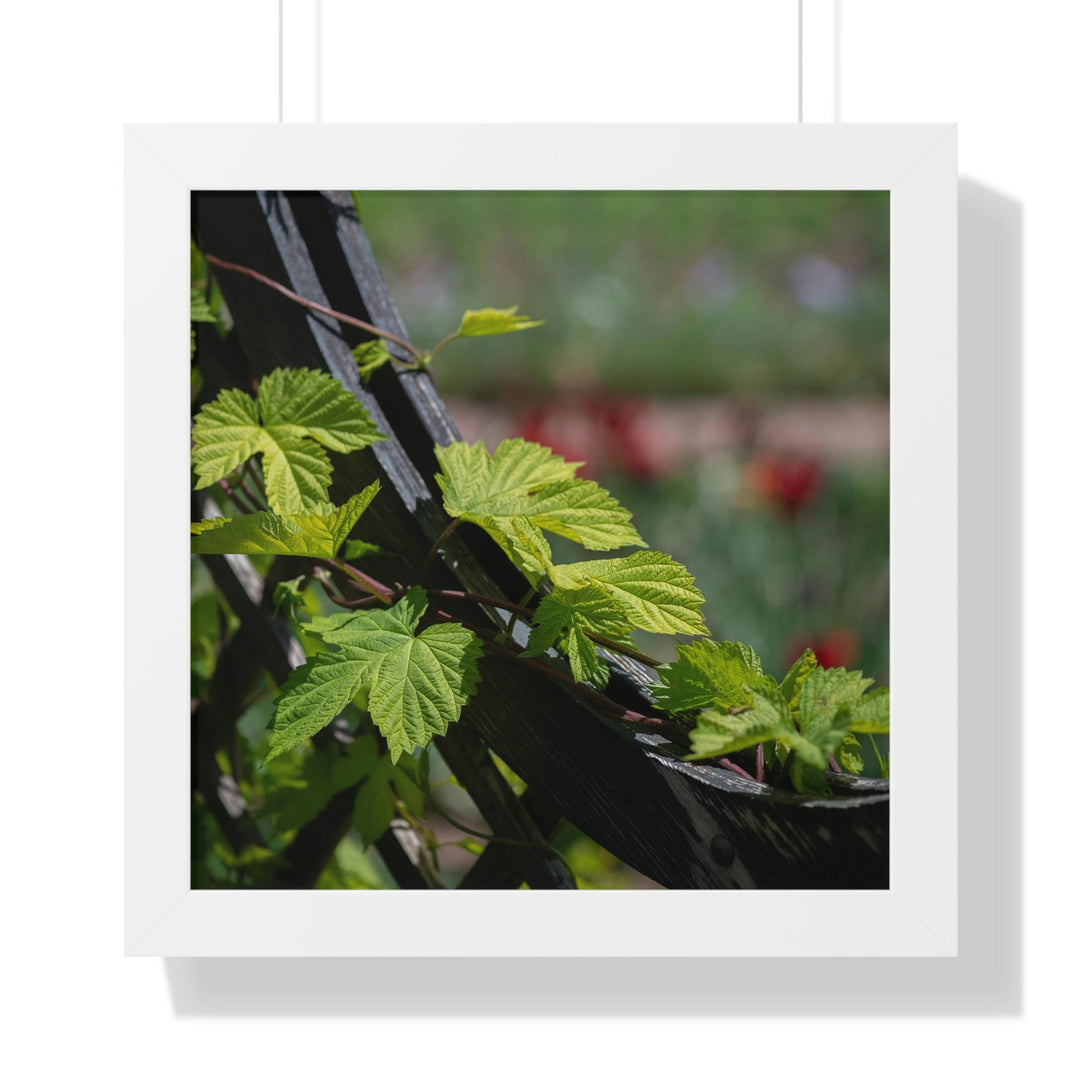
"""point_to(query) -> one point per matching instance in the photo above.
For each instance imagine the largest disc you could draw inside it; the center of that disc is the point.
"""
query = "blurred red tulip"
(787, 482)
(607, 433)
(838, 648)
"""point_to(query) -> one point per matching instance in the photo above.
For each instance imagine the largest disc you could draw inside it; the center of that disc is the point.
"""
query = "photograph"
(540, 539)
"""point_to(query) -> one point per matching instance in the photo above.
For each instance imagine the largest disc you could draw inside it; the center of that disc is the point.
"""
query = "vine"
(410, 667)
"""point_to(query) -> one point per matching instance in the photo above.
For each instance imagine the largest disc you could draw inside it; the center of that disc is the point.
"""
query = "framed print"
(558, 540)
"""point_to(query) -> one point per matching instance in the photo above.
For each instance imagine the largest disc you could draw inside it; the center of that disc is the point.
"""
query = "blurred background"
(721, 362)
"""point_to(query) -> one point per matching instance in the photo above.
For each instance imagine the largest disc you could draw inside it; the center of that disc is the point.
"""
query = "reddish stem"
(734, 768)
(321, 308)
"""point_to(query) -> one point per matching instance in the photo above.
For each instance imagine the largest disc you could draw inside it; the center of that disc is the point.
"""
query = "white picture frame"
(918, 914)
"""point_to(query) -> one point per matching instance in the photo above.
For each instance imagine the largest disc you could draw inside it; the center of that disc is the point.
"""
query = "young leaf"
(565, 619)
(370, 356)
(767, 720)
(200, 312)
(709, 674)
(656, 593)
(200, 309)
(360, 549)
(849, 755)
(318, 534)
(298, 413)
(288, 595)
(489, 321)
(522, 488)
(416, 685)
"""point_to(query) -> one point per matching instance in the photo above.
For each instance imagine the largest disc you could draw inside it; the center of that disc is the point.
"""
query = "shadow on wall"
(985, 979)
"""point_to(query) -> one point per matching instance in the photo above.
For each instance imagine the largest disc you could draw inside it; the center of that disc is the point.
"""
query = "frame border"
(918, 914)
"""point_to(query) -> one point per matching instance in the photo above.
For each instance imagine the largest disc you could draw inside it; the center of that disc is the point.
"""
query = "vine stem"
(235, 497)
(738, 770)
(524, 603)
(521, 609)
(615, 646)
(369, 584)
(479, 598)
(439, 541)
(602, 701)
(313, 306)
(445, 341)
(256, 480)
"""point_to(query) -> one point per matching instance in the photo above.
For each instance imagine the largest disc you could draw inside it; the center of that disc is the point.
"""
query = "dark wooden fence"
(683, 825)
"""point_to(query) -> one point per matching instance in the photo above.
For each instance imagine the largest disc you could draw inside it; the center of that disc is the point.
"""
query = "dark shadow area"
(986, 978)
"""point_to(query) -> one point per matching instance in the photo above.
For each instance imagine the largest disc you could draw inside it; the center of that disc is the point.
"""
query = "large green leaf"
(416, 685)
(318, 535)
(489, 321)
(298, 413)
(656, 593)
(523, 488)
(707, 673)
(565, 620)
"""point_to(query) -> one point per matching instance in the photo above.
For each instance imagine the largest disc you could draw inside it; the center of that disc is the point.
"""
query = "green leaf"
(808, 778)
(768, 719)
(416, 685)
(825, 703)
(375, 802)
(706, 673)
(298, 413)
(870, 714)
(523, 488)
(791, 685)
(318, 535)
(566, 618)
(324, 773)
(656, 593)
(288, 595)
(370, 356)
(849, 755)
(200, 312)
(472, 480)
(360, 549)
(200, 309)
(718, 733)
(489, 321)
(373, 810)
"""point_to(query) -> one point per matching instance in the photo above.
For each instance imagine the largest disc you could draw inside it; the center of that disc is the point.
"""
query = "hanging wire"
(800, 61)
(281, 61)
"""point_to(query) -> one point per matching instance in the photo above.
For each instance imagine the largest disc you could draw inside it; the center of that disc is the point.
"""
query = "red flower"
(838, 648)
(788, 483)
